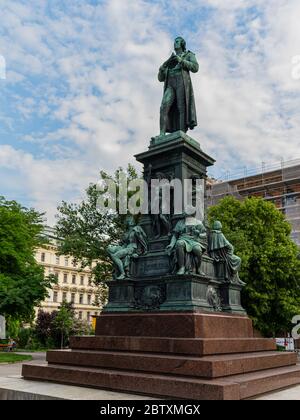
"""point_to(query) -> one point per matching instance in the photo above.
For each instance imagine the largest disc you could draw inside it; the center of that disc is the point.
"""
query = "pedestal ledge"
(185, 324)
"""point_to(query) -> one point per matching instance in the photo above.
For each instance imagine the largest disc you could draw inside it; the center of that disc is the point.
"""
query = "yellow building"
(74, 284)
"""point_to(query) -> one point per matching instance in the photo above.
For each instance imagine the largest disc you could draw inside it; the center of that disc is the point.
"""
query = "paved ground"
(12, 386)
(292, 393)
(15, 368)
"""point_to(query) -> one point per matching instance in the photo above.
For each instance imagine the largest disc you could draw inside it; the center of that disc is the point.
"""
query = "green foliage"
(270, 263)
(22, 282)
(64, 322)
(44, 327)
(13, 327)
(81, 328)
(86, 232)
(33, 344)
(52, 330)
(24, 336)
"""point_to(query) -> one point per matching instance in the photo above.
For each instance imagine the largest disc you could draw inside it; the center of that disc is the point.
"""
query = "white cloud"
(43, 182)
(90, 71)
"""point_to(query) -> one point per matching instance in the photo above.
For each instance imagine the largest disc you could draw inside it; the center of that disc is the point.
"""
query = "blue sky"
(81, 91)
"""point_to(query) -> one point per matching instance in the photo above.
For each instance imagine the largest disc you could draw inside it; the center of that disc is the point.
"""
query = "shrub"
(24, 335)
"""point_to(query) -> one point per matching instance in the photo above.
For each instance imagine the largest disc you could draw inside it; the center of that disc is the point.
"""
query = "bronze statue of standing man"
(178, 111)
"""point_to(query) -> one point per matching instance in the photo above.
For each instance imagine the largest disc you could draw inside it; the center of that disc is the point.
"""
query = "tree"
(54, 329)
(22, 282)
(86, 232)
(44, 326)
(64, 322)
(270, 263)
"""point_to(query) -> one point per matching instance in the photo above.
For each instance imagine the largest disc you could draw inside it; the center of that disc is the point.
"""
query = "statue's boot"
(201, 273)
(121, 276)
(163, 123)
(181, 271)
(182, 122)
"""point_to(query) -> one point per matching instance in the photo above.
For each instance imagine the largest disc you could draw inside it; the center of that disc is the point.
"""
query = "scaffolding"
(215, 192)
(278, 183)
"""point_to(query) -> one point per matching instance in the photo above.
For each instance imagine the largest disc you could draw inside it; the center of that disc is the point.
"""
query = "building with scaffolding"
(278, 183)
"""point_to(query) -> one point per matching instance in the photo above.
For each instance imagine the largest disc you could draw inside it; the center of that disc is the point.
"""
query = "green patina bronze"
(132, 245)
(173, 262)
(188, 243)
(178, 110)
(222, 251)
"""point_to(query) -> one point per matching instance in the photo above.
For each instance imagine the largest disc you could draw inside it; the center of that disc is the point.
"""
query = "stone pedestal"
(175, 355)
(189, 292)
(175, 156)
(152, 284)
(175, 324)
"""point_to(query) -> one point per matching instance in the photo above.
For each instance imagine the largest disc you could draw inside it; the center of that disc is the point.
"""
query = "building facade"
(74, 284)
(279, 183)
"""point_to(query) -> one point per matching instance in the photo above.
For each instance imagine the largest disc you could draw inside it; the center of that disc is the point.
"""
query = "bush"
(24, 335)
(33, 344)
(52, 330)
(82, 328)
(51, 343)
(12, 327)
(44, 326)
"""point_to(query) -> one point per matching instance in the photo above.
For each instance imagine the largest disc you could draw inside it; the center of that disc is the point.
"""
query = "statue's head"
(129, 222)
(217, 225)
(179, 43)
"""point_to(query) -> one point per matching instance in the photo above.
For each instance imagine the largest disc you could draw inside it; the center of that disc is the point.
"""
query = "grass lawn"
(13, 357)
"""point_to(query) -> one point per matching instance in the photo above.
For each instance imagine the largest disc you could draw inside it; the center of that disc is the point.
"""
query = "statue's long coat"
(188, 64)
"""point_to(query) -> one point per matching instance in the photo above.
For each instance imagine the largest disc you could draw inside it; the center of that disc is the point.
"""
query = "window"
(64, 296)
(56, 273)
(55, 296)
(57, 260)
(81, 299)
(74, 263)
(73, 279)
(65, 278)
(43, 256)
(66, 262)
(80, 315)
(90, 281)
(290, 200)
(73, 297)
(96, 313)
(88, 316)
(82, 280)
(89, 299)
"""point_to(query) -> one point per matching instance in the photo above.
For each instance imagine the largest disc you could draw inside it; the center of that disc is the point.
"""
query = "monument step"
(191, 346)
(205, 367)
(230, 388)
(141, 383)
(256, 383)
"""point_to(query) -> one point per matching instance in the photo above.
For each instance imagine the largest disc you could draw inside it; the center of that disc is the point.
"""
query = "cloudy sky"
(80, 91)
